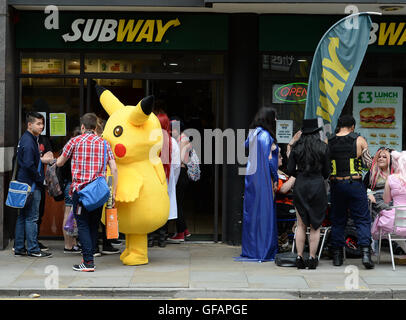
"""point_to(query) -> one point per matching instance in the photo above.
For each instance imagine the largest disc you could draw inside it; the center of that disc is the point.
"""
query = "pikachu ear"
(141, 112)
(109, 102)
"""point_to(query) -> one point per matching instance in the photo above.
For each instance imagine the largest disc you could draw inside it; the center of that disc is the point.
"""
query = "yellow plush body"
(142, 199)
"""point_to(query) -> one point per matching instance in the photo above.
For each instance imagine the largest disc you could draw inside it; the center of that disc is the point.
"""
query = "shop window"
(49, 63)
(154, 63)
(380, 66)
(58, 100)
(284, 85)
(286, 66)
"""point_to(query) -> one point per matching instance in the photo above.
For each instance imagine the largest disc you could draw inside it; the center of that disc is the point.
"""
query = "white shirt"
(173, 179)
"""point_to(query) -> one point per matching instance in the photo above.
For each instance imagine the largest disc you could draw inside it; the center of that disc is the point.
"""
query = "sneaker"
(115, 242)
(74, 249)
(187, 233)
(110, 250)
(40, 254)
(84, 267)
(177, 238)
(97, 253)
(42, 247)
(20, 253)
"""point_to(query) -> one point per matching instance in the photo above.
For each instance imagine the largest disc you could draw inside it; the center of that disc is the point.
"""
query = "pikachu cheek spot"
(120, 150)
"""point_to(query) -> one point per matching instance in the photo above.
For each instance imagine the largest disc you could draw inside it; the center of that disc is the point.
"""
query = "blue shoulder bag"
(18, 192)
(97, 192)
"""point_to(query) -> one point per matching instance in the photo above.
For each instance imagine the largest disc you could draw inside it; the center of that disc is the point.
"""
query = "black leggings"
(181, 186)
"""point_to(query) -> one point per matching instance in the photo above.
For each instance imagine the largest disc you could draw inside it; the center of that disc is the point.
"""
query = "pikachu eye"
(118, 131)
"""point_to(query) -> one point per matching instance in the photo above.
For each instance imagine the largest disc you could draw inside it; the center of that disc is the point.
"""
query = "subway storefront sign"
(89, 30)
(302, 33)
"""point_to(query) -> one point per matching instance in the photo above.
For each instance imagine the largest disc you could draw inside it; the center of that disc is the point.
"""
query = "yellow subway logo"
(330, 84)
(122, 30)
(388, 34)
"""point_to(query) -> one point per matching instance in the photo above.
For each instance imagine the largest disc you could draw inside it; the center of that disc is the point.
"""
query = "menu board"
(25, 65)
(92, 65)
(378, 113)
(47, 66)
(115, 66)
(284, 130)
(72, 66)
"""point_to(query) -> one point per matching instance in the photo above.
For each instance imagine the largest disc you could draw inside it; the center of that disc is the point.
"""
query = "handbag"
(193, 169)
(97, 192)
(18, 192)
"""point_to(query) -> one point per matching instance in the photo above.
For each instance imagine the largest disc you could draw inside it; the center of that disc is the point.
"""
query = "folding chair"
(280, 220)
(323, 234)
(400, 221)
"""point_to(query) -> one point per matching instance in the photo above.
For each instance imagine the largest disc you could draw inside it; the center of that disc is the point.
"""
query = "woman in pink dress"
(395, 189)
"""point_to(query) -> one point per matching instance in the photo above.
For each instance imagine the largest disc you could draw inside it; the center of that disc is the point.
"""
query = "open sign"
(295, 92)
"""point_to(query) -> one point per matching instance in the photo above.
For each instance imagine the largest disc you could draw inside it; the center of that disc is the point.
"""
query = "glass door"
(199, 104)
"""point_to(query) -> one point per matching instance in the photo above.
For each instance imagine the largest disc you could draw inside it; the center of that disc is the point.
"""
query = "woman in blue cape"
(259, 232)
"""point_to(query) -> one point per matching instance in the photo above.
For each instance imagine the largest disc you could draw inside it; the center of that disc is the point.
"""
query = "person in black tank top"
(348, 193)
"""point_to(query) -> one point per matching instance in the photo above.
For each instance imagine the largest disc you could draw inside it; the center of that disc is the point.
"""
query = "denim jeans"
(26, 225)
(352, 196)
(88, 225)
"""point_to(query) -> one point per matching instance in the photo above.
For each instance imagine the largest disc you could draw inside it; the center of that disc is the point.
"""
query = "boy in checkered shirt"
(87, 153)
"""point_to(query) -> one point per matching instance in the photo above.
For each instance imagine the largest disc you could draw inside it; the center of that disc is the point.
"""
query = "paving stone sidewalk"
(192, 271)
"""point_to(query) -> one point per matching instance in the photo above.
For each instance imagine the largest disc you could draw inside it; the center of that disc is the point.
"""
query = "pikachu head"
(133, 132)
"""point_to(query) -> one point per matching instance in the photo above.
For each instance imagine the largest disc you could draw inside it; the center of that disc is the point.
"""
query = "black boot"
(312, 263)
(162, 238)
(150, 240)
(366, 258)
(300, 263)
(338, 257)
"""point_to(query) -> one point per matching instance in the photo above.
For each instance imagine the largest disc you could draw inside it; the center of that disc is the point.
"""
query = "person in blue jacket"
(259, 230)
(29, 171)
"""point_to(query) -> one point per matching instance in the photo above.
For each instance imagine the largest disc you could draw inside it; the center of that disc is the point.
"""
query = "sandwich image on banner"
(377, 118)
(334, 69)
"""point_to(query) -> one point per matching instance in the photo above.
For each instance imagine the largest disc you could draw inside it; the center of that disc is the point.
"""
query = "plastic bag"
(193, 169)
(70, 225)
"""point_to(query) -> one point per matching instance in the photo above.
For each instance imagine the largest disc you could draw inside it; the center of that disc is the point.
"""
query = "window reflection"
(284, 85)
(61, 63)
(154, 63)
(49, 63)
(286, 65)
(52, 95)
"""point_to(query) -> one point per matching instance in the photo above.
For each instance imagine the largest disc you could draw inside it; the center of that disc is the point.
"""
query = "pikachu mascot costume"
(142, 201)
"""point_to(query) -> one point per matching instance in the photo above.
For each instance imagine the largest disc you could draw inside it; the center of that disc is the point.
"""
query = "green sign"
(57, 124)
(132, 31)
(302, 33)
